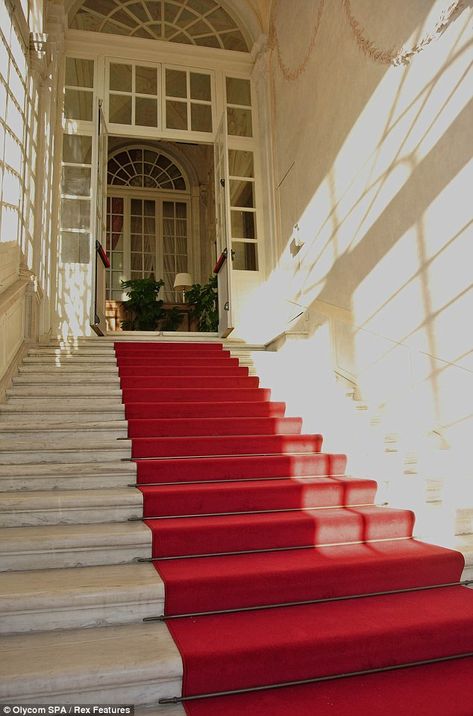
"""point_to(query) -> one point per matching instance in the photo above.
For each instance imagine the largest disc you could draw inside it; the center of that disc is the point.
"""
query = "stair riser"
(101, 615)
(143, 692)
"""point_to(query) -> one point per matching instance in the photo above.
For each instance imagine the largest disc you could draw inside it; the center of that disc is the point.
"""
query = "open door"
(223, 267)
(100, 262)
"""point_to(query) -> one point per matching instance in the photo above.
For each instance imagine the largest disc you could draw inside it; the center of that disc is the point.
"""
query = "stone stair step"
(62, 403)
(50, 599)
(35, 508)
(72, 350)
(107, 369)
(64, 360)
(60, 546)
(52, 413)
(92, 389)
(59, 378)
(20, 452)
(67, 476)
(137, 663)
(108, 429)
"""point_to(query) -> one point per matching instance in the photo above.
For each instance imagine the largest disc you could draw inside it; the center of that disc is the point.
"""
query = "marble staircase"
(73, 594)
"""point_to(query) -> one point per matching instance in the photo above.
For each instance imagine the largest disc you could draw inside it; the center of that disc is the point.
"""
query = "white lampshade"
(182, 280)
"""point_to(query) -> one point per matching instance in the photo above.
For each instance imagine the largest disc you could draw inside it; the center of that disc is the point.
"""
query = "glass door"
(146, 236)
(224, 243)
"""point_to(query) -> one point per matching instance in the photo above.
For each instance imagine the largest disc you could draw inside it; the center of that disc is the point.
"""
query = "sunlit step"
(51, 599)
(59, 546)
(33, 509)
(67, 476)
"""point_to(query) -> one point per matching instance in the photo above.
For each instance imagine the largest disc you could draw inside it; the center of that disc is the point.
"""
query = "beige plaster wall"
(372, 119)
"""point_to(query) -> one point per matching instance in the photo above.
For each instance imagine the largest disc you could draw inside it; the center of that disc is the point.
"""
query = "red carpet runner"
(275, 563)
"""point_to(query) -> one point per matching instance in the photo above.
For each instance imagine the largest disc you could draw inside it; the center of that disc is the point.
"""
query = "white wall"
(372, 155)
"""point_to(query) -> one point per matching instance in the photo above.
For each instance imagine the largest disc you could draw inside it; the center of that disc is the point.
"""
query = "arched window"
(191, 22)
(145, 169)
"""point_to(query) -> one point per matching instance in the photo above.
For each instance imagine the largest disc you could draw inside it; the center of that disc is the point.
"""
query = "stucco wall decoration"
(284, 16)
(403, 56)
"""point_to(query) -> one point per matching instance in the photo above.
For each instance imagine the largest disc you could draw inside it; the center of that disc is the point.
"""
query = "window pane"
(176, 115)
(201, 117)
(75, 214)
(168, 208)
(75, 247)
(146, 112)
(77, 149)
(245, 256)
(239, 122)
(76, 181)
(176, 83)
(136, 243)
(136, 225)
(117, 261)
(181, 210)
(120, 109)
(149, 208)
(79, 73)
(120, 77)
(136, 262)
(241, 193)
(148, 243)
(136, 207)
(146, 79)
(200, 86)
(78, 105)
(238, 91)
(243, 225)
(240, 163)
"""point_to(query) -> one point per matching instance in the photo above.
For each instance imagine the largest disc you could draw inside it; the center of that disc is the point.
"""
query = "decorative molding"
(288, 73)
(401, 56)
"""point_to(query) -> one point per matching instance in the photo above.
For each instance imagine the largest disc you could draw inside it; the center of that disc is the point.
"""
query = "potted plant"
(203, 299)
(145, 309)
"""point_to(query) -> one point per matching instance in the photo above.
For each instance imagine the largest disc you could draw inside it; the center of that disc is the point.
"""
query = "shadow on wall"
(381, 191)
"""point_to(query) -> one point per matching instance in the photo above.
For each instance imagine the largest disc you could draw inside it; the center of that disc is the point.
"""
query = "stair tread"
(60, 537)
(72, 587)
(216, 534)
(272, 645)
(45, 469)
(84, 659)
(244, 580)
(257, 495)
(68, 499)
(433, 689)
